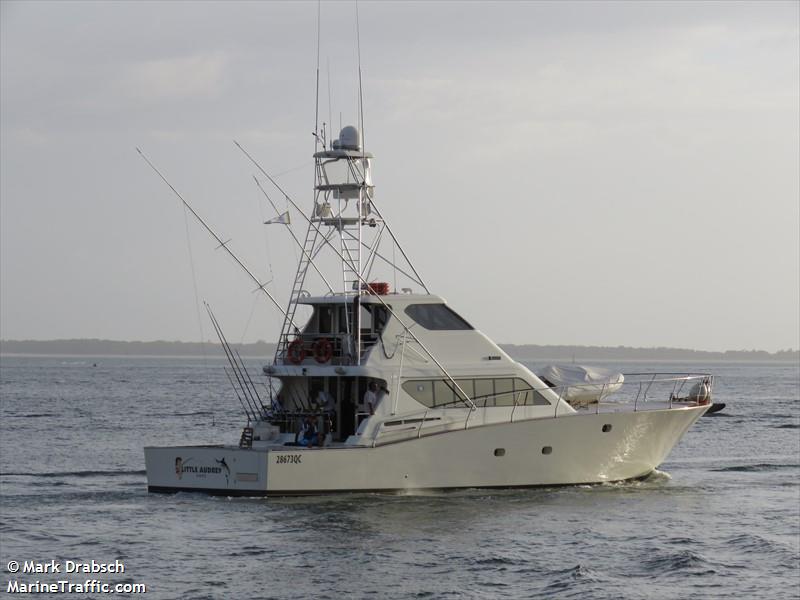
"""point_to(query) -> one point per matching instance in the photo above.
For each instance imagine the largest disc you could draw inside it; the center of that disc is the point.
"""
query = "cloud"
(173, 79)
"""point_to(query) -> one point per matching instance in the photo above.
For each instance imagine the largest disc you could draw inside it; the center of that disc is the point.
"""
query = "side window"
(365, 323)
(504, 392)
(421, 391)
(526, 395)
(484, 390)
(467, 386)
(436, 317)
(381, 318)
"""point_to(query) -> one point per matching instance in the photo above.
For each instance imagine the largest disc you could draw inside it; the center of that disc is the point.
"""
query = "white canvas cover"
(582, 384)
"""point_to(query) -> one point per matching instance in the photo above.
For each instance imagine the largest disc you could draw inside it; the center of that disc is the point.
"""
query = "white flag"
(283, 219)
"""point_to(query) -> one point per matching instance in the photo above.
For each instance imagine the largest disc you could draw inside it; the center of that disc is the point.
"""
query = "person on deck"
(308, 435)
(372, 400)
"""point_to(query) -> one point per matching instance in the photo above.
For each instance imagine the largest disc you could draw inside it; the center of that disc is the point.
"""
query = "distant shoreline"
(165, 349)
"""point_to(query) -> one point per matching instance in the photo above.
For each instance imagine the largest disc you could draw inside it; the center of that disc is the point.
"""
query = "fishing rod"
(232, 361)
(250, 379)
(242, 370)
(222, 244)
(246, 412)
(235, 371)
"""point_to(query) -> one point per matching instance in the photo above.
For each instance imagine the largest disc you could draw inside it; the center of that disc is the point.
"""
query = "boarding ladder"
(246, 441)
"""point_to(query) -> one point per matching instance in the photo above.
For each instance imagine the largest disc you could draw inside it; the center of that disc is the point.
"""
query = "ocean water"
(720, 518)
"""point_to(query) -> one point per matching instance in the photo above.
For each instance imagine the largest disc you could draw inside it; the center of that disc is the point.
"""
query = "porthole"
(606, 428)
(499, 451)
(547, 450)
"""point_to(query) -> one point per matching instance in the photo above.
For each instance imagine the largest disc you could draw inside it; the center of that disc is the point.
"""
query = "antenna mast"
(316, 103)
(343, 208)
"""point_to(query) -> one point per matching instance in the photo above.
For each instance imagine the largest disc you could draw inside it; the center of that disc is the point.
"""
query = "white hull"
(581, 452)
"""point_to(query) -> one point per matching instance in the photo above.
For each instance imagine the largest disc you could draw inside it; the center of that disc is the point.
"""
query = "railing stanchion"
(600, 398)
(649, 385)
(419, 429)
(674, 389)
(560, 394)
(516, 401)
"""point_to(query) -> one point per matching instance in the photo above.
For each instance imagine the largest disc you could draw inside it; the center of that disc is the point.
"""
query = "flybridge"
(344, 221)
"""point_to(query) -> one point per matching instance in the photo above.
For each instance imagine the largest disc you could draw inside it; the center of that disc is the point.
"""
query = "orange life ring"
(295, 352)
(323, 350)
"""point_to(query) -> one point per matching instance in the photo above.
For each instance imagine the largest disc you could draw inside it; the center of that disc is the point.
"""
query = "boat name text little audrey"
(200, 469)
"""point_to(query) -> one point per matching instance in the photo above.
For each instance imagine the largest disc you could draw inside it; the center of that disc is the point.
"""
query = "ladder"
(351, 262)
(246, 441)
(297, 288)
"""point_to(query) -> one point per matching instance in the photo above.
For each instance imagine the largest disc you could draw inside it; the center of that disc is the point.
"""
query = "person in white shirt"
(327, 405)
(366, 406)
(379, 400)
(371, 402)
(370, 399)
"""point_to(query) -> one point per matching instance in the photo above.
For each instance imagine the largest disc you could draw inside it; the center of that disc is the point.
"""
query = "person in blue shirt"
(308, 436)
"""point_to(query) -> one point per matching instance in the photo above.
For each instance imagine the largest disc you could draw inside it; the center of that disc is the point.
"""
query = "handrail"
(600, 397)
(649, 386)
(516, 403)
(643, 390)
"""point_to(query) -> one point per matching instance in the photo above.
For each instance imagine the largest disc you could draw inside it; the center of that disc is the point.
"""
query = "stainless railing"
(343, 348)
(656, 391)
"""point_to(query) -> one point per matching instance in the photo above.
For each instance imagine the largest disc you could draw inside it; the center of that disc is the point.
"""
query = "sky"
(590, 173)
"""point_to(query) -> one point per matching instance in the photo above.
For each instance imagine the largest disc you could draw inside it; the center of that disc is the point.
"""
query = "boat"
(379, 387)
(714, 408)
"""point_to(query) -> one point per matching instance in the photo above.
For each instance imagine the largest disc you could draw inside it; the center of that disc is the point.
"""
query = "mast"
(342, 192)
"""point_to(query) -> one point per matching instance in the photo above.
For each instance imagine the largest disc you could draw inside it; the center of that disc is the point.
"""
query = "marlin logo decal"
(221, 462)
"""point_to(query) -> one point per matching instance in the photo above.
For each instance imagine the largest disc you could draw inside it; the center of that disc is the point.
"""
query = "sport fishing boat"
(379, 388)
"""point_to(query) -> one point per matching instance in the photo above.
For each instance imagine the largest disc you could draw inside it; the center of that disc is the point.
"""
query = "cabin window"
(467, 386)
(381, 316)
(325, 314)
(443, 392)
(421, 391)
(526, 395)
(365, 320)
(436, 317)
(345, 316)
(484, 390)
(503, 391)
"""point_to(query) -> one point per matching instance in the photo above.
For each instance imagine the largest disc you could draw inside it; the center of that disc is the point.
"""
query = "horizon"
(570, 173)
(501, 344)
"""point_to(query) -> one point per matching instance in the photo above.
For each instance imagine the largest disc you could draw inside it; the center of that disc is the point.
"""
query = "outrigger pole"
(222, 244)
(294, 237)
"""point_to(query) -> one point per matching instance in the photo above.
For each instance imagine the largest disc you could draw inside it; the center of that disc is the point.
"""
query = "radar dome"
(350, 138)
